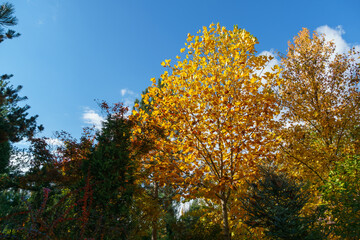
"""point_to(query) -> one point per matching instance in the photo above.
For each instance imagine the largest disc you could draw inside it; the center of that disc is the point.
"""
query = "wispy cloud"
(128, 97)
(126, 91)
(93, 118)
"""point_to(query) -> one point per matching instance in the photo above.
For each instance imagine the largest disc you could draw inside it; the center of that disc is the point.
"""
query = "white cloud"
(126, 91)
(335, 35)
(93, 118)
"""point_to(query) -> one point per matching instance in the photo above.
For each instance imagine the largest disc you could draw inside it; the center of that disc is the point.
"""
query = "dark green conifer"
(275, 202)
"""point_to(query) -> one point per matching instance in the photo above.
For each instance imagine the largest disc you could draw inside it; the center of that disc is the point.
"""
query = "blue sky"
(74, 51)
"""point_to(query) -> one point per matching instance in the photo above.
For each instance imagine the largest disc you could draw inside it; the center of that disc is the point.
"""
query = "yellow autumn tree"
(216, 110)
(320, 100)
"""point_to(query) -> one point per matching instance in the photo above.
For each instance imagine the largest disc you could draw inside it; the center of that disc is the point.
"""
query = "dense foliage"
(341, 192)
(275, 203)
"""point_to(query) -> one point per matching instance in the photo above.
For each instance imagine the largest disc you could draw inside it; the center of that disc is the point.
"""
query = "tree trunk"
(226, 229)
(155, 221)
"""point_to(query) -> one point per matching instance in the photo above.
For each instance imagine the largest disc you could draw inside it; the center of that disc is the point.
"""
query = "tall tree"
(111, 172)
(216, 109)
(14, 126)
(14, 121)
(320, 100)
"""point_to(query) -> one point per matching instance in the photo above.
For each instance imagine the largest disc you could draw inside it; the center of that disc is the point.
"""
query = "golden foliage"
(216, 110)
(320, 101)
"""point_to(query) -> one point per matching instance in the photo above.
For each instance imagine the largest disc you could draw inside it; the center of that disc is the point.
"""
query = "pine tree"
(275, 202)
(7, 19)
(14, 121)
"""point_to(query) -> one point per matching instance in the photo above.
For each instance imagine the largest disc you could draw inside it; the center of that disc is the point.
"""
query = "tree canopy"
(209, 107)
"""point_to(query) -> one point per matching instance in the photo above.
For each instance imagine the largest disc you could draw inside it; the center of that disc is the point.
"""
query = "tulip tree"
(216, 110)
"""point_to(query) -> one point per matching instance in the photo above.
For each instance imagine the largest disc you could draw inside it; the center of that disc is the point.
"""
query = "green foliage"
(88, 196)
(342, 193)
(111, 175)
(193, 225)
(4, 156)
(275, 203)
(7, 19)
(13, 212)
(14, 124)
(14, 121)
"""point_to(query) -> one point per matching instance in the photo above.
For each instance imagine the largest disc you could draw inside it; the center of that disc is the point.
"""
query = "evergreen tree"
(4, 156)
(111, 173)
(15, 125)
(14, 121)
(7, 19)
(275, 203)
